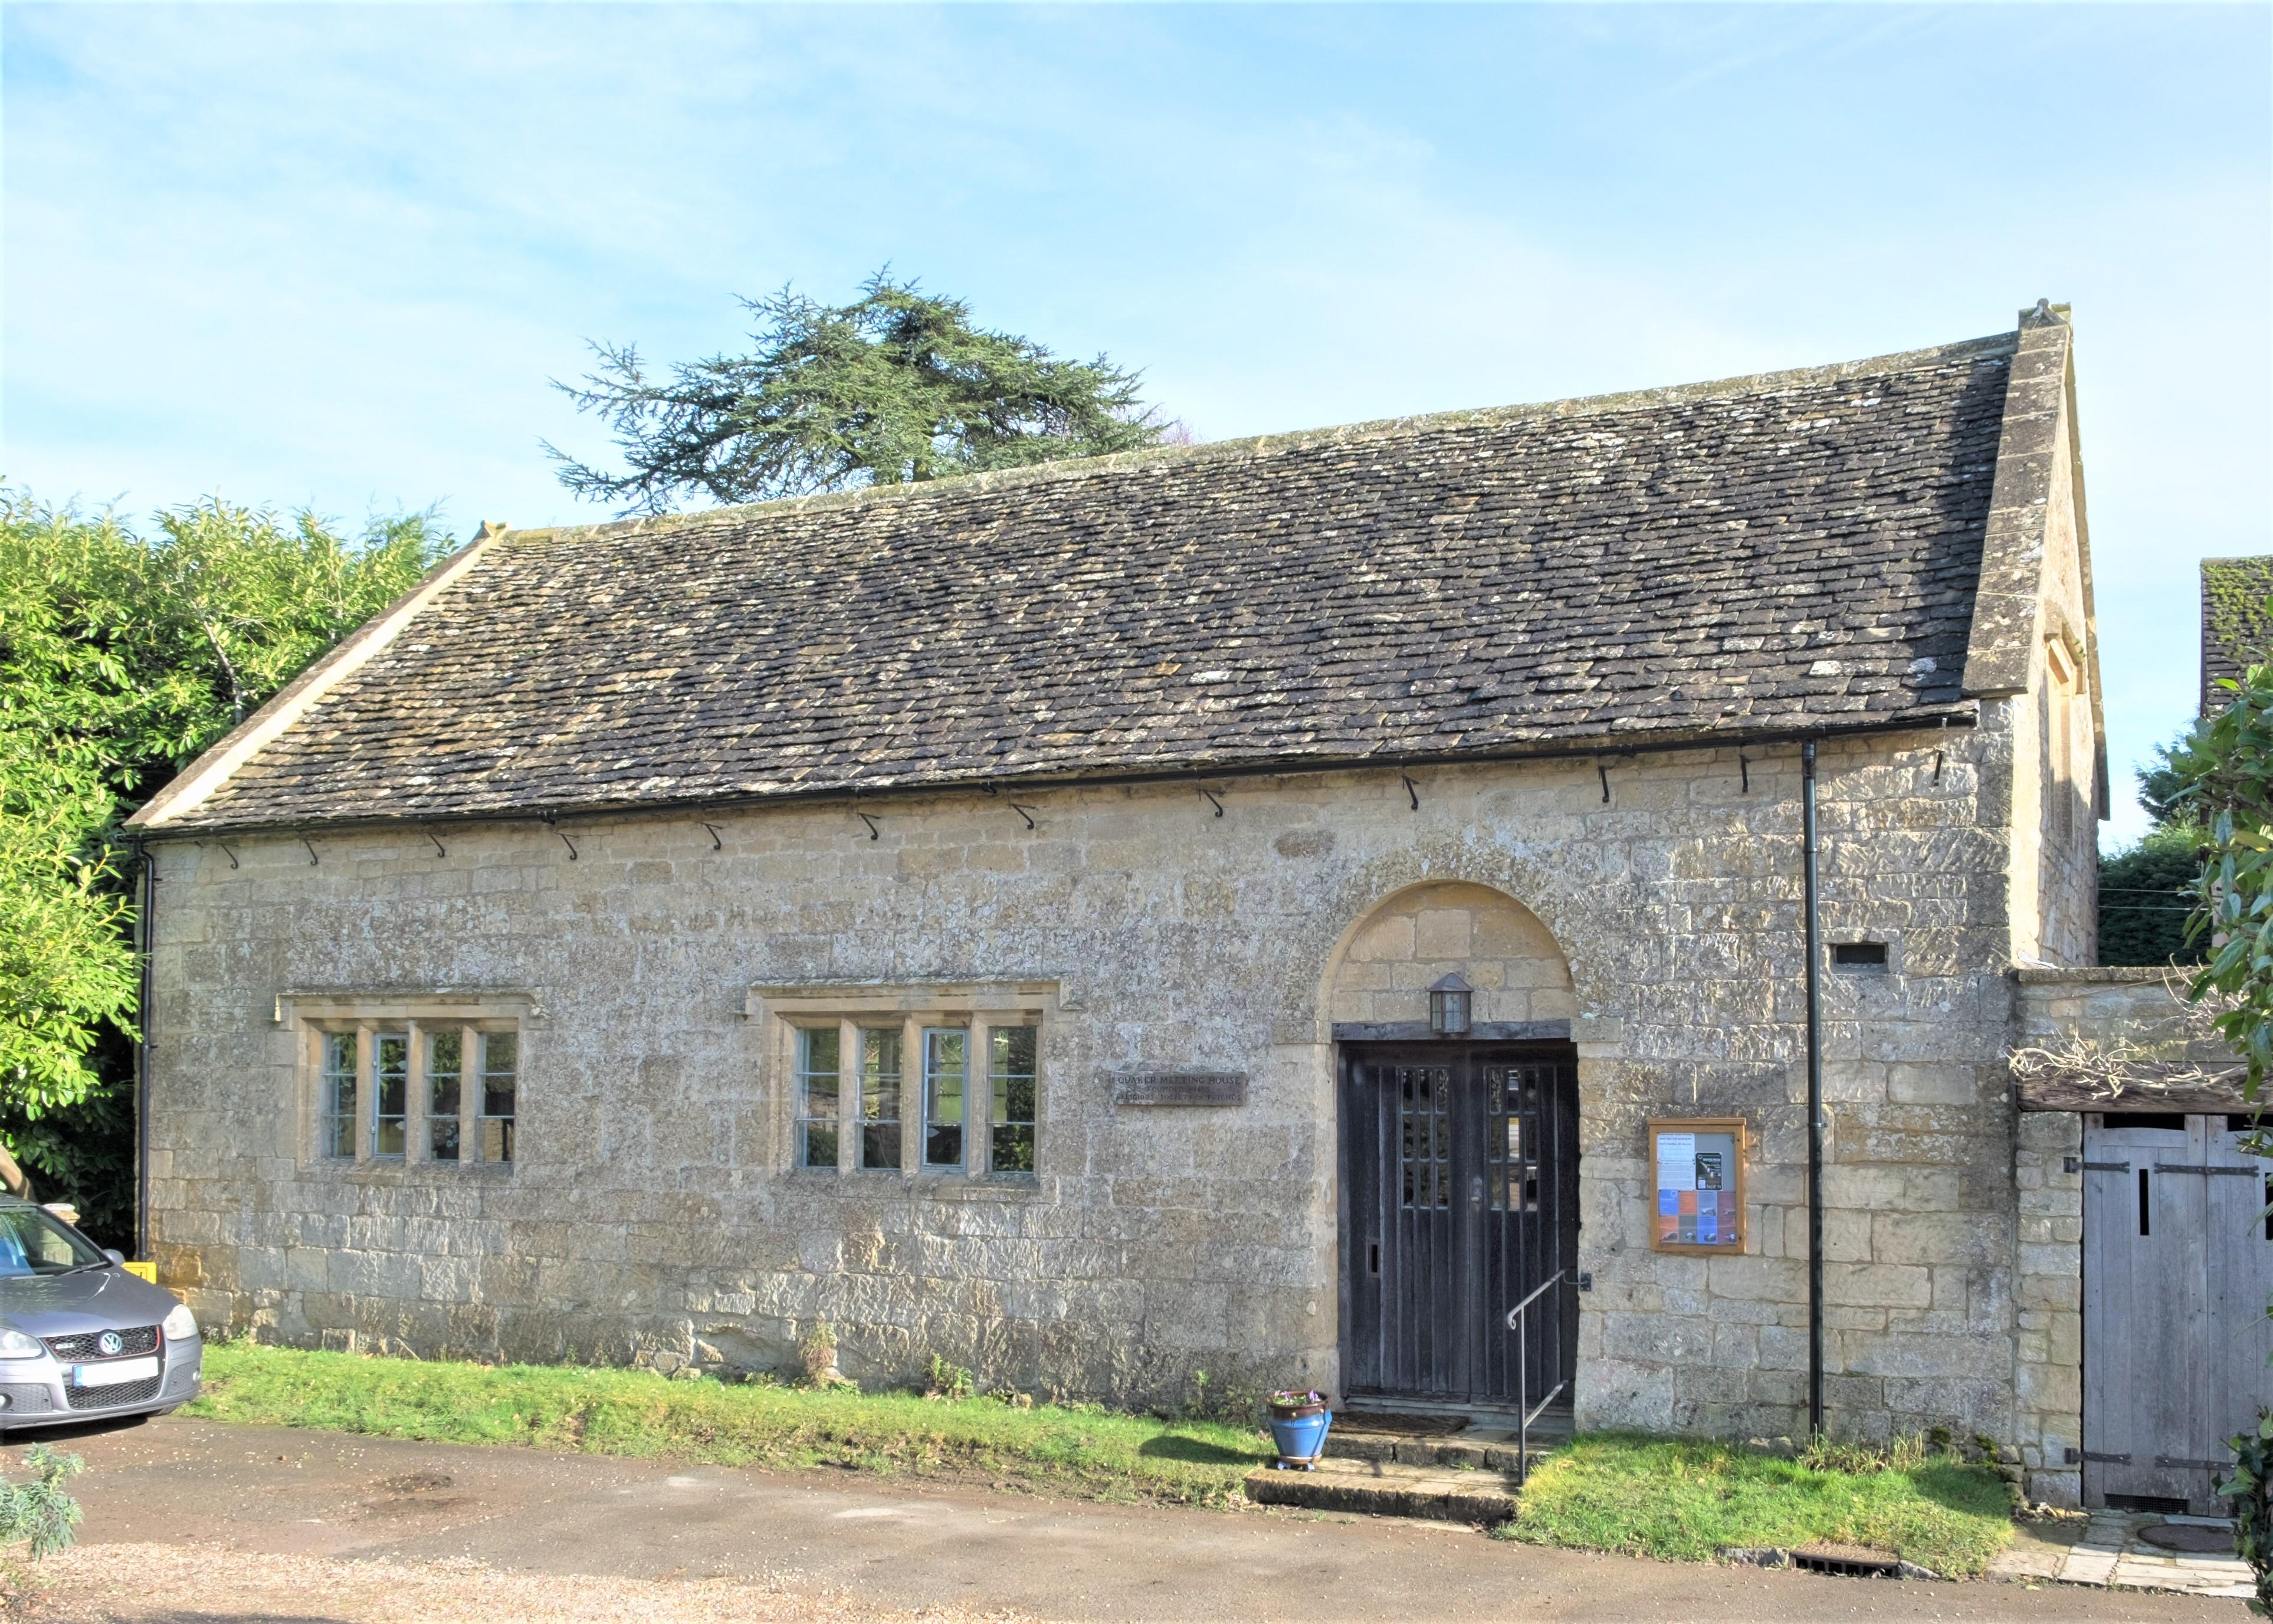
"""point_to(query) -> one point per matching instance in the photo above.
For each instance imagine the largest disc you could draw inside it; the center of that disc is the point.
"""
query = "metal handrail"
(1527, 1411)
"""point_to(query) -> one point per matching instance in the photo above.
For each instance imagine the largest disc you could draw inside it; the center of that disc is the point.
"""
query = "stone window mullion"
(978, 1100)
(911, 1072)
(470, 1096)
(366, 1087)
(414, 1148)
(850, 1063)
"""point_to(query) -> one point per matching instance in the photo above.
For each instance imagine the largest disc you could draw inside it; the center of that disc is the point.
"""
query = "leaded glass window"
(1011, 1072)
(499, 1091)
(880, 1098)
(947, 1063)
(446, 1072)
(390, 1095)
(339, 1095)
(817, 1092)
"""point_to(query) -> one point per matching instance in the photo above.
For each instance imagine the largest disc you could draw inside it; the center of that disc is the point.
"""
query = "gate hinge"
(2181, 1461)
(2105, 1459)
(2100, 1167)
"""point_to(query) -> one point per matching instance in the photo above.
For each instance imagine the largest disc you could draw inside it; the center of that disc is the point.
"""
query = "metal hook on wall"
(1605, 773)
(716, 844)
(1410, 791)
(438, 844)
(1212, 799)
(1937, 766)
(565, 840)
(304, 841)
(874, 834)
(1744, 771)
(1027, 813)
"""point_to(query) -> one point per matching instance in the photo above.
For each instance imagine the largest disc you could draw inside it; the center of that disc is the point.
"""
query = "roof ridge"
(1271, 444)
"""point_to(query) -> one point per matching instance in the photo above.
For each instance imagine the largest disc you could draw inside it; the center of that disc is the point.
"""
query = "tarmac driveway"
(201, 1521)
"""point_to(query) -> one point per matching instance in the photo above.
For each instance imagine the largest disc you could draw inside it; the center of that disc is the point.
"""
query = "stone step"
(1480, 1449)
(1388, 1489)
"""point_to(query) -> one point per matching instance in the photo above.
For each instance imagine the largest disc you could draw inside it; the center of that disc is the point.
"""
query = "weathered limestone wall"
(2048, 1287)
(652, 1206)
(2056, 839)
(1918, 1228)
(1413, 940)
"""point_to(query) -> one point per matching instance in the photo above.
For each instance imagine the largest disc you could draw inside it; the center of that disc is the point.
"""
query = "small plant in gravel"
(38, 1514)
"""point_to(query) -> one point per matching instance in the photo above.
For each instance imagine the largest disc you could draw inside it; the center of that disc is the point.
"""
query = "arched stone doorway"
(1458, 1155)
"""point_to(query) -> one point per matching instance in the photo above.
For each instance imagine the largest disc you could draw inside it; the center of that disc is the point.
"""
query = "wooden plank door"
(2240, 1340)
(2143, 1277)
(1459, 1178)
(2178, 1264)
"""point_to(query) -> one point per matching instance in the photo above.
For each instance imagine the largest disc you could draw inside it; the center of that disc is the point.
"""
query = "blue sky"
(331, 255)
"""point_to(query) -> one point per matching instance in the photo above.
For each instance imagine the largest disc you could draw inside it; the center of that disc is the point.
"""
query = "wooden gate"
(2178, 1263)
(1460, 1185)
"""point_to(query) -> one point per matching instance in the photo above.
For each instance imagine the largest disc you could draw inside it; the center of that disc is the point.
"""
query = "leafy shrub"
(2251, 1490)
(2145, 893)
(38, 1514)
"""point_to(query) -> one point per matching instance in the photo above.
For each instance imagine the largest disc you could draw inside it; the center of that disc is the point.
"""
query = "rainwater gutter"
(1607, 750)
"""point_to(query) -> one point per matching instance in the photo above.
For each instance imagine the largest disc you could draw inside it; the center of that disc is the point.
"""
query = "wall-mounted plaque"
(1179, 1088)
(1696, 1184)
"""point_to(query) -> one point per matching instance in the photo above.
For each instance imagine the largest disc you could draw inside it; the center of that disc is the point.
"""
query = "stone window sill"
(399, 1172)
(868, 1182)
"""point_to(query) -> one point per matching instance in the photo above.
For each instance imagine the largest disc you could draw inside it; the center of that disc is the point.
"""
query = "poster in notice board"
(1697, 1177)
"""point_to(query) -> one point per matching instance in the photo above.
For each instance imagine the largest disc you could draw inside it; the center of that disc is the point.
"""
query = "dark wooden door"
(2178, 1262)
(1460, 1191)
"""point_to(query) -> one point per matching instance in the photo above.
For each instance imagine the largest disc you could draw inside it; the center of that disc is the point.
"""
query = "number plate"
(116, 1373)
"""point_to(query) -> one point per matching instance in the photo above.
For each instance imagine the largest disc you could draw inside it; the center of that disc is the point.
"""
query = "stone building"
(998, 915)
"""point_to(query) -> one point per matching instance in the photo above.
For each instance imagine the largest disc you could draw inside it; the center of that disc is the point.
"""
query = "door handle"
(1475, 1189)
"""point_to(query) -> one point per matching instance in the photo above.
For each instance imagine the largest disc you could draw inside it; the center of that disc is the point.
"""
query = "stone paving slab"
(2111, 1552)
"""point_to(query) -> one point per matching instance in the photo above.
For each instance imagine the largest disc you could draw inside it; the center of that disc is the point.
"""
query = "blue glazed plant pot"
(1298, 1428)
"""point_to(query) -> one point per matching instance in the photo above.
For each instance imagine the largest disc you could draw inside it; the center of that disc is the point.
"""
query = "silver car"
(80, 1338)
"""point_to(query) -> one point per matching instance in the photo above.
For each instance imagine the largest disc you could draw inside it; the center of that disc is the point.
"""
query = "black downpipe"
(144, 917)
(1814, 1099)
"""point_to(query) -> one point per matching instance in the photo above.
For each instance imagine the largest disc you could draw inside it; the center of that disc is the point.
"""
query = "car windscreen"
(33, 1243)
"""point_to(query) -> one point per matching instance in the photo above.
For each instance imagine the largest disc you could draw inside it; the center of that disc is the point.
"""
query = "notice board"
(1697, 1182)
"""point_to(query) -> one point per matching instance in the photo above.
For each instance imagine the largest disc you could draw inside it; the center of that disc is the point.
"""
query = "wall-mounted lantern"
(1448, 1007)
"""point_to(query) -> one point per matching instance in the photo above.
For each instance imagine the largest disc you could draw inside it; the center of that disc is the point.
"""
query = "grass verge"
(1094, 1453)
(1683, 1498)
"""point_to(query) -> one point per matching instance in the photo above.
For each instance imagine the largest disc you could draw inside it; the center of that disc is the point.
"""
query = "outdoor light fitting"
(1448, 1007)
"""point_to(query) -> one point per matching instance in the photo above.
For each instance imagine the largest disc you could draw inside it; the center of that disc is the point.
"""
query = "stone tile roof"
(1793, 551)
(2237, 628)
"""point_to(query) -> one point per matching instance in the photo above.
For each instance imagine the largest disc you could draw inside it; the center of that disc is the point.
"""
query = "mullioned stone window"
(930, 1081)
(408, 1081)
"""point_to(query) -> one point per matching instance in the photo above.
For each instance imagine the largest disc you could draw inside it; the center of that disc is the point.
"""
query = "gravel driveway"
(199, 1521)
